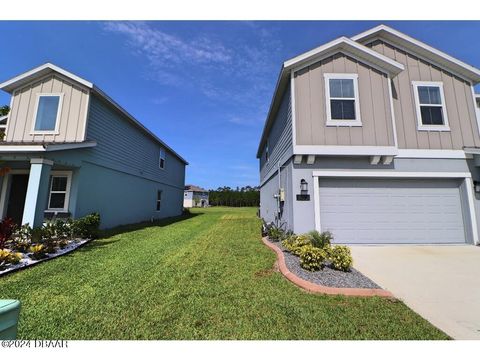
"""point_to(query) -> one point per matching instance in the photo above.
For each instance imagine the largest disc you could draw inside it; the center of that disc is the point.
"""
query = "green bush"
(9, 258)
(48, 235)
(320, 240)
(312, 258)
(275, 233)
(87, 227)
(340, 258)
(22, 238)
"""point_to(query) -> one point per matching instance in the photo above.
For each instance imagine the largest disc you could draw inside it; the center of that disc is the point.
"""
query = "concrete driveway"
(441, 283)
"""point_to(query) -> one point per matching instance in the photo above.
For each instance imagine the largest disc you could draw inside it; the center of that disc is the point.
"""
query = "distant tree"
(4, 110)
(225, 196)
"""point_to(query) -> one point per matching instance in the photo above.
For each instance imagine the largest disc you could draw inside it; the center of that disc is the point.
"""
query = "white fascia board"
(21, 148)
(422, 48)
(344, 43)
(59, 147)
(432, 154)
(344, 150)
(44, 147)
(8, 85)
(391, 174)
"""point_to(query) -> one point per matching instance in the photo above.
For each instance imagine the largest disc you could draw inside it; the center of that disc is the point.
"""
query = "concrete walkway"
(441, 283)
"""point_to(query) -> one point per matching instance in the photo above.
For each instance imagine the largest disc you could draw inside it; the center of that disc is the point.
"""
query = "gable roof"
(194, 188)
(421, 49)
(49, 68)
(343, 45)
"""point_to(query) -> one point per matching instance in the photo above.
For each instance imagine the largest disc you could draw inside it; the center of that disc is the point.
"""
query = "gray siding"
(123, 147)
(311, 113)
(269, 207)
(460, 106)
(279, 138)
(73, 111)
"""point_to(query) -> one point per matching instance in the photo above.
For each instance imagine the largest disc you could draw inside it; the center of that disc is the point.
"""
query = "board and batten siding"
(279, 137)
(459, 105)
(122, 146)
(73, 111)
(311, 111)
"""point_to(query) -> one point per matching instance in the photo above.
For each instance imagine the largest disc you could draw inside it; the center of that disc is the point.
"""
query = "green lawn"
(207, 276)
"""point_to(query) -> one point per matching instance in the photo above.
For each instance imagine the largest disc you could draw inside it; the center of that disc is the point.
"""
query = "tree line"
(240, 196)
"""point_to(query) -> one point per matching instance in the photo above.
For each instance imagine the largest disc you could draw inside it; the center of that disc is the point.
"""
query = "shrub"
(312, 258)
(38, 252)
(62, 243)
(275, 233)
(7, 227)
(22, 238)
(320, 240)
(87, 227)
(9, 258)
(48, 237)
(295, 243)
(341, 258)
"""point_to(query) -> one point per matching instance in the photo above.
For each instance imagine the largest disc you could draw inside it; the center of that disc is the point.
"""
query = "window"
(59, 192)
(161, 162)
(159, 199)
(430, 106)
(47, 113)
(343, 107)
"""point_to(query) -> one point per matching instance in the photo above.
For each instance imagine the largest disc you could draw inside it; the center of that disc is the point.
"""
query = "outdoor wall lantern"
(303, 196)
(303, 187)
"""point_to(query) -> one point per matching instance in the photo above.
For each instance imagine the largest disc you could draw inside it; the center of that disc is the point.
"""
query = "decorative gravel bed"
(327, 276)
(27, 261)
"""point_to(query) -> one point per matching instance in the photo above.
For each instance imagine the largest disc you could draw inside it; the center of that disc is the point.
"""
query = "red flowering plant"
(7, 226)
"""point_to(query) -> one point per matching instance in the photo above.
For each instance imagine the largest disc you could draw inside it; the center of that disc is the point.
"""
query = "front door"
(16, 199)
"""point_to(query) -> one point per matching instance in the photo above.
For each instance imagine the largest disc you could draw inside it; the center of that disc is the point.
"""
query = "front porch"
(34, 190)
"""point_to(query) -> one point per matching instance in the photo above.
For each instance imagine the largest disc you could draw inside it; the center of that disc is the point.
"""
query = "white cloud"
(163, 49)
(237, 73)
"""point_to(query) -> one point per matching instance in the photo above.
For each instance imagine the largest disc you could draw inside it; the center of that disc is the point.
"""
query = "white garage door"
(392, 211)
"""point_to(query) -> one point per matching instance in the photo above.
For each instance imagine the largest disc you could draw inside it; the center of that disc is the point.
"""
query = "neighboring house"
(73, 151)
(375, 138)
(194, 196)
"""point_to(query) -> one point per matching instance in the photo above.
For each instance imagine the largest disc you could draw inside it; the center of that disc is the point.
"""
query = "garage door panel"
(392, 211)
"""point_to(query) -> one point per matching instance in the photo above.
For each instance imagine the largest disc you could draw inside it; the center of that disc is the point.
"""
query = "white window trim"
(333, 122)
(53, 174)
(420, 125)
(57, 120)
(162, 150)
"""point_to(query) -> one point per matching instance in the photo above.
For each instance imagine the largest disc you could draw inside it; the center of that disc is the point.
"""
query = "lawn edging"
(315, 288)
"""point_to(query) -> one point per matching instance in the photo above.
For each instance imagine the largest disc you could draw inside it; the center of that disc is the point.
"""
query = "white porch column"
(37, 192)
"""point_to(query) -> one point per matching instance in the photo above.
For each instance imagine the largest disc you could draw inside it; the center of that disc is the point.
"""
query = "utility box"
(9, 314)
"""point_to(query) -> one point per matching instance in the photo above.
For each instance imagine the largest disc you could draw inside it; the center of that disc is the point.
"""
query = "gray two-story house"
(71, 150)
(375, 138)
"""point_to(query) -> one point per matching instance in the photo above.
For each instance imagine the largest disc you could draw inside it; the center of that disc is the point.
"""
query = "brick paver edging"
(307, 285)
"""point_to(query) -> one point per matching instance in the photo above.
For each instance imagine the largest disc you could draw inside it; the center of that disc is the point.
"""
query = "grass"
(206, 276)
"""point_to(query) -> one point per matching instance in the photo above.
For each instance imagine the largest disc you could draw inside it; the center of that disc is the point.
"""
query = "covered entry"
(394, 211)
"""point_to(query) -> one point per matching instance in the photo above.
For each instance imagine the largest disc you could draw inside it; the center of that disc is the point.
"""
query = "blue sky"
(203, 87)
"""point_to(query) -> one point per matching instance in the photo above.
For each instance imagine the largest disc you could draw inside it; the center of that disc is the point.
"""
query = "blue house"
(72, 150)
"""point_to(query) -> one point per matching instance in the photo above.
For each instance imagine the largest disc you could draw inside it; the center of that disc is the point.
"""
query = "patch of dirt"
(264, 272)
